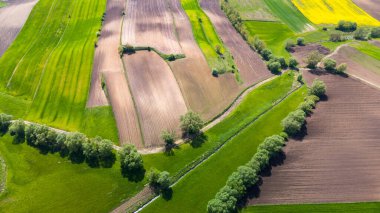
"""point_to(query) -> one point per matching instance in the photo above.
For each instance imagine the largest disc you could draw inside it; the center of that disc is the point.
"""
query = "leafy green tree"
(227, 195)
(272, 144)
(329, 64)
(307, 106)
(59, 145)
(217, 206)
(191, 123)
(300, 41)
(74, 142)
(90, 152)
(248, 176)
(346, 26)
(169, 138)
(362, 34)
(164, 180)
(274, 67)
(318, 88)
(293, 63)
(17, 130)
(341, 69)
(130, 160)
(375, 32)
(313, 59)
(153, 176)
(5, 122)
(262, 157)
(293, 123)
(106, 155)
(258, 44)
(266, 54)
(289, 45)
(235, 182)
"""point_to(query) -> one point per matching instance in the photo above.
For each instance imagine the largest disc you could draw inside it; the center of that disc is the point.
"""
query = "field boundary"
(3, 177)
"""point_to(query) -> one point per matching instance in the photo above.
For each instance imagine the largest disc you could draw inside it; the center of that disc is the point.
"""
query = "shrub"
(130, 160)
(318, 88)
(313, 59)
(258, 44)
(17, 130)
(169, 139)
(289, 45)
(191, 123)
(300, 41)
(300, 78)
(341, 69)
(293, 123)
(274, 67)
(346, 26)
(375, 32)
(215, 72)
(5, 121)
(362, 34)
(266, 54)
(329, 64)
(336, 37)
(283, 63)
(293, 63)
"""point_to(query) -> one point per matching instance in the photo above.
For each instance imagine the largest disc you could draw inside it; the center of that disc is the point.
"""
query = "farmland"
(372, 7)
(331, 12)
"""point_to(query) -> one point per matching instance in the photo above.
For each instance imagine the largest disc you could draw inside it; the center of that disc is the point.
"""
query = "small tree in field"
(130, 160)
(258, 44)
(5, 121)
(329, 64)
(266, 54)
(293, 63)
(313, 59)
(300, 41)
(318, 88)
(169, 138)
(341, 69)
(191, 123)
(274, 67)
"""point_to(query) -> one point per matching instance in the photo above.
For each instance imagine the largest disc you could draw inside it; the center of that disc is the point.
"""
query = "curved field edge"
(316, 208)
(202, 183)
(50, 74)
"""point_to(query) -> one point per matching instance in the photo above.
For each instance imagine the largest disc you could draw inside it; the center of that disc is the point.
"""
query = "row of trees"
(331, 66)
(246, 176)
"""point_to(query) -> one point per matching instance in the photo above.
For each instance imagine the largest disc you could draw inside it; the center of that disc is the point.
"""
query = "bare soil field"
(370, 6)
(338, 160)
(124, 109)
(301, 52)
(202, 92)
(107, 58)
(150, 23)
(12, 19)
(359, 64)
(252, 68)
(375, 42)
(157, 96)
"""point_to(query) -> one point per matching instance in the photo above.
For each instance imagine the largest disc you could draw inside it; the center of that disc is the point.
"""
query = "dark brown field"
(370, 6)
(301, 52)
(338, 160)
(252, 68)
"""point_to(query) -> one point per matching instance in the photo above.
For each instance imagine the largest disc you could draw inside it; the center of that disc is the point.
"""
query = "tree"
(318, 88)
(59, 145)
(130, 160)
(293, 63)
(191, 123)
(17, 130)
(329, 64)
(262, 158)
(307, 106)
(164, 180)
(106, 155)
(341, 69)
(74, 142)
(258, 44)
(283, 63)
(346, 26)
(153, 176)
(248, 176)
(272, 144)
(336, 37)
(362, 34)
(313, 59)
(293, 123)
(169, 138)
(5, 121)
(274, 67)
(375, 32)
(300, 41)
(217, 206)
(289, 45)
(266, 53)
(30, 135)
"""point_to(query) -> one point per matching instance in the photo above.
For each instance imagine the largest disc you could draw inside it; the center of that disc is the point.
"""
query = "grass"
(274, 34)
(289, 15)
(48, 67)
(2, 4)
(49, 183)
(371, 207)
(332, 11)
(200, 185)
(368, 49)
(263, 98)
(253, 10)
(206, 36)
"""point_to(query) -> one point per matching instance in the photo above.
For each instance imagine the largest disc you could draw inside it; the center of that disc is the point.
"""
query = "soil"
(157, 96)
(12, 19)
(252, 69)
(338, 160)
(301, 52)
(150, 23)
(370, 6)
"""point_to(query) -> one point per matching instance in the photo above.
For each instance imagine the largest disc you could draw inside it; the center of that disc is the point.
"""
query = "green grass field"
(368, 49)
(274, 34)
(49, 183)
(253, 10)
(2, 4)
(317, 208)
(200, 185)
(47, 69)
(205, 35)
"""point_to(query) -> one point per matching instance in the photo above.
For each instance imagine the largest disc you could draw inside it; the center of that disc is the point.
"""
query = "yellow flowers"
(332, 11)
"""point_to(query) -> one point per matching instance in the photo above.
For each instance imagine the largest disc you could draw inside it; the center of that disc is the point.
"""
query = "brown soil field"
(252, 69)
(107, 58)
(301, 52)
(338, 160)
(150, 23)
(157, 96)
(12, 19)
(359, 64)
(370, 6)
(375, 42)
(202, 92)
(124, 109)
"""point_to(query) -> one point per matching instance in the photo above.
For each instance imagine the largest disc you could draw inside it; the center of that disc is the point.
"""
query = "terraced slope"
(52, 71)
(331, 12)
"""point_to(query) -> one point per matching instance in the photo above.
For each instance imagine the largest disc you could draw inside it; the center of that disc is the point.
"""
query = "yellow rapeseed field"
(332, 11)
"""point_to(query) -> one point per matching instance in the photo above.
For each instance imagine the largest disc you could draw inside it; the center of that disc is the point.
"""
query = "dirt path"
(157, 96)
(338, 160)
(252, 68)
(12, 19)
(370, 6)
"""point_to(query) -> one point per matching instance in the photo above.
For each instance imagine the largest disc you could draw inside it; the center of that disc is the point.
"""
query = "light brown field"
(149, 23)
(338, 160)
(12, 19)
(370, 6)
(252, 69)
(158, 99)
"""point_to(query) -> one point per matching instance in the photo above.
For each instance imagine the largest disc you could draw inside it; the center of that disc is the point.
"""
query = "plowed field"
(338, 160)
(370, 6)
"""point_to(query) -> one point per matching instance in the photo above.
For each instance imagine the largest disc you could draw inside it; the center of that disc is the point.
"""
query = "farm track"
(338, 160)
(252, 69)
(150, 23)
(202, 92)
(12, 19)
(158, 99)
(370, 6)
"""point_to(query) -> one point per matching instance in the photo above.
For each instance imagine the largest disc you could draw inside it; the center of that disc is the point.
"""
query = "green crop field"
(49, 183)
(2, 4)
(317, 208)
(200, 185)
(253, 10)
(47, 69)
(205, 34)
(368, 49)
(274, 34)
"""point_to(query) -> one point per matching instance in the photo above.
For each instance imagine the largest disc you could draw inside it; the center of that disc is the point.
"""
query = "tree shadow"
(135, 175)
(76, 157)
(302, 133)
(198, 140)
(167, 194)
(18, 139)
(3, 130)
(109, 161)
(93, 162)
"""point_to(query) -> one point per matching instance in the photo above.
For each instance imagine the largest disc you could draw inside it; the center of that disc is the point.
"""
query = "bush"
(346, 26)
(293, 123)
(17, 130)
(329, 64)
(284, 135)
(283, 63)
(362, 34)
(336, 37)
(375, 32)
(191, 123)
(300, 41)
(5, 122)
(289, 45)
(313, 59)
(293, 63)
(258, 44)
(266, 54)
(215, 72)
(341, 69)
(274, 67)
(307, 107)
(300, 78)
(318, 88)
